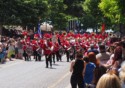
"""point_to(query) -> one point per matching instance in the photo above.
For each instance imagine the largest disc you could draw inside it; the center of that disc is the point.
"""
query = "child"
(89, 72)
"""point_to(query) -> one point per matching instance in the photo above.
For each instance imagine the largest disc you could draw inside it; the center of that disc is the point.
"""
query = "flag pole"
(39, 30)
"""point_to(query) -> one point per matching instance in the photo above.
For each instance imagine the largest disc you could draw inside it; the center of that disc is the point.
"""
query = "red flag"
(103, 28)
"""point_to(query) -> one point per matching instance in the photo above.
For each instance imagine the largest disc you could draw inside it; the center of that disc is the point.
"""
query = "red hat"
(41, 41)
(36, 35)
(68, 35)
(76, 36)
(24, 33)
(47, 36)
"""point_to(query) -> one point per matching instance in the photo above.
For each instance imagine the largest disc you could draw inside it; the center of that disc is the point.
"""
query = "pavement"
(33, 74)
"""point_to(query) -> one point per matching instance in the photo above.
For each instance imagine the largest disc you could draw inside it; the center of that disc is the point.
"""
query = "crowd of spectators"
(11, 32)
(100, 68)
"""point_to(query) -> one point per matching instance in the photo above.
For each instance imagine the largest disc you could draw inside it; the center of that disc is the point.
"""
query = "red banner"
(103, 28)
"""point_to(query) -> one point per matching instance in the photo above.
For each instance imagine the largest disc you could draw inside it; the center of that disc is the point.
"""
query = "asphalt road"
(32, 74)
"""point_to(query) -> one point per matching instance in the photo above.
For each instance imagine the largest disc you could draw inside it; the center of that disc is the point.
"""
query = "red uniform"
(67, 45)
(24, 44)
(34, 45)
(56, 46)
(48, 48)
(77, 46)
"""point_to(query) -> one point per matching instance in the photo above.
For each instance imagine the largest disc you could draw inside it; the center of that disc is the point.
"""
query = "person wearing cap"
(48, 49)
(56, 50)
(35, 46)
(67, 47)
(40, 49)
(25, 55)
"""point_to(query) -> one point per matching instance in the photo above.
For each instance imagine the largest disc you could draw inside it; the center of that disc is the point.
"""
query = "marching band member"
(53, 53)
(56, 48)
(67, 47)
(20, 48)
(35, 47)
(54, 39)
(24, 50)
(29, 51)
(72, 51)
(48, 48)
(40, 49)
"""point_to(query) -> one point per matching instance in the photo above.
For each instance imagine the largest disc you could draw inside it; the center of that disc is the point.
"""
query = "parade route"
(33, 74)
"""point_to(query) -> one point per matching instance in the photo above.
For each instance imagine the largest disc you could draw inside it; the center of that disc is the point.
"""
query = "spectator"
(92, 49)
(20, 48)
(117, 57)
(102, 58)
(96, 73)
(11, 50)
(111, 50)
(89, 71)
(122, 74)
(78, 69)
(109, 80)
(123, 50)
(1, 55)
(16, 48)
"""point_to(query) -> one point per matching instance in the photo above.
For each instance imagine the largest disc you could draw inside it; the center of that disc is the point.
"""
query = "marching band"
(65, 43)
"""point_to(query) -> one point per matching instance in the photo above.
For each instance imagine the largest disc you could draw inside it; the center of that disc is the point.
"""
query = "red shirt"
(34, 45)
(47, 48)
(66, 45)
(56, 46)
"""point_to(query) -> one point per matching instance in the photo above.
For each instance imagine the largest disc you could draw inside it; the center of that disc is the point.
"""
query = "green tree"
(74, 7)
(56, 14)
(93, 16)
(115, 11)
(22, 12)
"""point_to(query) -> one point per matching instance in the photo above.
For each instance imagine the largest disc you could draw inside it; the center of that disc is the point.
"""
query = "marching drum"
(71, 51)
(61, 51)
(29, 51)
(39, 51)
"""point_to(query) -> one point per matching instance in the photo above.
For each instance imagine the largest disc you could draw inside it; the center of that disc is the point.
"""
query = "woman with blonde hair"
(109, 80)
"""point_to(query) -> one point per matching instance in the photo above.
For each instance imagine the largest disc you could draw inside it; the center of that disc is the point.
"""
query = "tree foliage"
(74, 7)
(93, 16)
(92, 13)
(57, 15)
(21, 12)
(113, 9)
